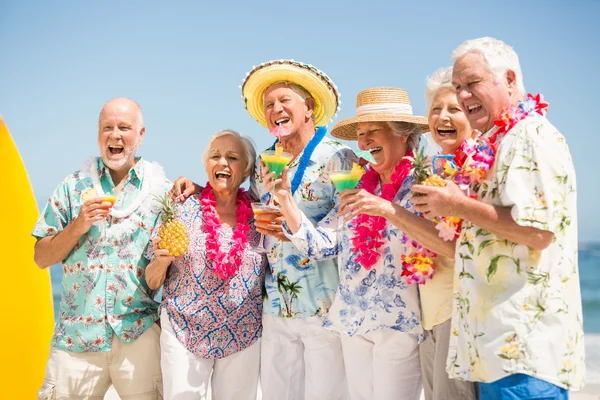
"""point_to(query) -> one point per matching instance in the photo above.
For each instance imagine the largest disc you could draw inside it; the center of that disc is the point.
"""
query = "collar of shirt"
(134, 176)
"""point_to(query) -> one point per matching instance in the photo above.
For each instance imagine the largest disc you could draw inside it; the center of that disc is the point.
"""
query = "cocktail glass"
(275, 160)
(102, 224)
(260, 210)
(344, 179)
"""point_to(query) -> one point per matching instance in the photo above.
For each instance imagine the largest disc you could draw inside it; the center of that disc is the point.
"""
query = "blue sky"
(183, 62)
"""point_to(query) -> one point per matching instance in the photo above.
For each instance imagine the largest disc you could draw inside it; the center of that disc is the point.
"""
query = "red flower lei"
(368, 229)
(225, 264)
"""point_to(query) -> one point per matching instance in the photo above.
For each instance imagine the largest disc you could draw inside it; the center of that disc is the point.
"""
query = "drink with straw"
(276, 160)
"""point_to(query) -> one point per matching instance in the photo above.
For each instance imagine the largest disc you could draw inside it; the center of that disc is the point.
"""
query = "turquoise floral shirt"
(297, 285)
(103, 284)
(517, 309)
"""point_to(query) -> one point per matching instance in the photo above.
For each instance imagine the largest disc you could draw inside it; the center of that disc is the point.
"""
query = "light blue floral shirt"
(296, 284)
(103, 284)
(366, 300)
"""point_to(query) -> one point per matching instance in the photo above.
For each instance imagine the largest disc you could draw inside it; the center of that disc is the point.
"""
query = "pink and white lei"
(225, 264)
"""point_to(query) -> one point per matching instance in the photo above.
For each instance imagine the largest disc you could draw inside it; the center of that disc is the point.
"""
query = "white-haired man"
(517, 322)
(97, 223)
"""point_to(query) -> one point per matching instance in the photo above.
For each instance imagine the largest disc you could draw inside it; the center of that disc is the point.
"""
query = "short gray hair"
(440, 79)
(498, 55)
(247, 144)
(406, 129)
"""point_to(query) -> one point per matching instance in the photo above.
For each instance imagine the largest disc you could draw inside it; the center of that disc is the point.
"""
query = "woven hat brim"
(346, 129)
(259, 80)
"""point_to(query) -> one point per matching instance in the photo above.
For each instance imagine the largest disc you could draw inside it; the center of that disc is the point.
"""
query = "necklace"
(140, 198)
(225, 264)
(368, 230)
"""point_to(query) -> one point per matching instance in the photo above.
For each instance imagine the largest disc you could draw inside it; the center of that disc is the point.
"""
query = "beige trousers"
(133, 369)
(436, 384)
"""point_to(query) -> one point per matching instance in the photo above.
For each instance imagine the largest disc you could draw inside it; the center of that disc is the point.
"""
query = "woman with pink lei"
(376, 308)
(211, 312)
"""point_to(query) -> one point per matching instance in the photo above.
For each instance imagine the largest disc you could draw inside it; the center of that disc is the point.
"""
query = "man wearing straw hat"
(517, 323)
(299, 358)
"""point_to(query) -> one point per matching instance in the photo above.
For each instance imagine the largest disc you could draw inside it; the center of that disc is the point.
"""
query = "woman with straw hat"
(376, 309)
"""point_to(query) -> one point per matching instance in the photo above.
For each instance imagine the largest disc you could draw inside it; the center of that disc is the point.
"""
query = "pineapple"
(435, 180)
(173, 233)
(422, 171)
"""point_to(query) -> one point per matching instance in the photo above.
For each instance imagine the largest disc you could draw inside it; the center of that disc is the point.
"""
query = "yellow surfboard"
(26, 312)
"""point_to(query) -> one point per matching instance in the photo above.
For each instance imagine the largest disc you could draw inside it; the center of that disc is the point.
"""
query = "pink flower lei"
(225, 264)
(368, 229)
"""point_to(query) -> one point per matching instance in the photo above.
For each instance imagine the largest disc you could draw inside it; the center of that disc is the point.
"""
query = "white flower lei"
(130, 218)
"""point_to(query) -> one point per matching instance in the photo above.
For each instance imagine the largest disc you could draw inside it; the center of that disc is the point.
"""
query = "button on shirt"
(103, 284)
(297, 285)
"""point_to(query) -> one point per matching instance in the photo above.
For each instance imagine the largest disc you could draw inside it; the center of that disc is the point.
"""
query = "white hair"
(247, 144)
(440, 79)
(499, 56)
(406, 129)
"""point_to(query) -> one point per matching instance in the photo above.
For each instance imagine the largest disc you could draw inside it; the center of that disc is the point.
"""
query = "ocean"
(589, 270)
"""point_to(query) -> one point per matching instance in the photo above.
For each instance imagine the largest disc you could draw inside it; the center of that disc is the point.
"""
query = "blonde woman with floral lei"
(449, 129)
(376, 308)
(211, 312)
(517, 324)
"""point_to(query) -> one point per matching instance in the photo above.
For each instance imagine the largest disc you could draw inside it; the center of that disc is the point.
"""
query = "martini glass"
(344, 179)
(261, 210)
(108, 198)
(275, 160)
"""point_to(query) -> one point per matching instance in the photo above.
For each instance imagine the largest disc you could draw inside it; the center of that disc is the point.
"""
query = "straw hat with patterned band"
(316, 82)
(380, 104)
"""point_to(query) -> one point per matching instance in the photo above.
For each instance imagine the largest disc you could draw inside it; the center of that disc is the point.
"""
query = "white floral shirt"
(366, 300)
(516, 309)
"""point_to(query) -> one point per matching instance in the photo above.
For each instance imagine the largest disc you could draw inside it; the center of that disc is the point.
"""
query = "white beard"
(127, 156)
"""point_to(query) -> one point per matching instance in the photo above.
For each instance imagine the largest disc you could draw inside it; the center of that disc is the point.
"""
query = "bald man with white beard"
(97, 224)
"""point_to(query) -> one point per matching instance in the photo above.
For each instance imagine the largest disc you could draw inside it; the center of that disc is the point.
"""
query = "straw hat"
(380, 104)
(316, 82)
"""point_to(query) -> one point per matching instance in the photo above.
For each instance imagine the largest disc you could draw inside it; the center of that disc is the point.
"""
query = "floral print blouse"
(211, 317)
(517, 309)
